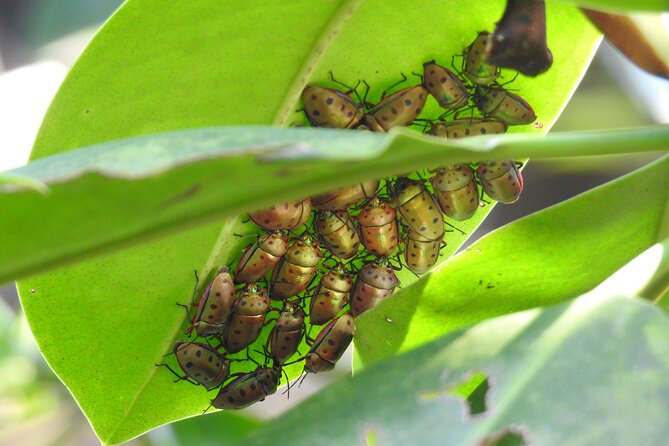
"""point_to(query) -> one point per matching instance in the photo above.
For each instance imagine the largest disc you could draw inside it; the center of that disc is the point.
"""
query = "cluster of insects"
(351, 240)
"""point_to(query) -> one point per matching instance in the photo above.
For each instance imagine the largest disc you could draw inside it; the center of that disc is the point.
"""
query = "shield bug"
(215, 305)
(462, 128)
(444, 86)
(247, 319)
(337, 232)
(330, 344)
(260, 257)
(344, 197)
(248, 388)
(418, 208)
(475, 68)
(456, 191)
(398, 109)
(420, 254)
(329, 107)
(378, 227)
(296, 269)
(330, 295)
(375, 281)
(501, 180)
(286, 335)
(201, 363)
(290, 215)
(501, 104)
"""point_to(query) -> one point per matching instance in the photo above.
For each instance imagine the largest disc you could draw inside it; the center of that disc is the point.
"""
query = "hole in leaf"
(505, 437)
(473, 390)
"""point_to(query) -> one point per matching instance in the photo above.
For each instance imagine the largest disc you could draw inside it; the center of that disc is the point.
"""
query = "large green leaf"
(553, 255)
(175, 181)
(591, 371)
(104, 322)
(623, 5)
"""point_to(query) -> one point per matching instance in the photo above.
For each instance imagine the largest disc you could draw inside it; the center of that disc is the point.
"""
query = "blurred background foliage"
(41, 39)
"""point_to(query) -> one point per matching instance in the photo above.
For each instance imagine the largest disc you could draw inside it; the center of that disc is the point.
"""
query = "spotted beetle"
(379, 233)
(398, 109)
(375, 281)
(476, 69)
(444, 86)
(247, 319)
(418, 208)
(501, 104)
(330, 344)
(260, 257)
(290, 215)
(456, 191)
(330, 296)
(285, 337)
(215, 305)
(420, 254)
(201, 363)
(248, 388)
(345, 197)
(296, 269)
(501, 180)
(337, 232)
(464, 127)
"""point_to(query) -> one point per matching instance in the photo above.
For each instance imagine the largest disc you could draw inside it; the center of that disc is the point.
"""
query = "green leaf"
(102, 323)
(175, 181)
(591, 371)
(548, 257)
(216, 429)
(622, 5)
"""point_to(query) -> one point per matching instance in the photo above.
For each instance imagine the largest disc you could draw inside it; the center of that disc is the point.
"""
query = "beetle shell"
(215, 305)
(504, 105)
(456, 191)
(374, 283)
(462, 128)
(418, 208)
(445, 86)
(378, 227)
(475, 67)
(202, 363)
(289, 215)
(260, 257)
(287, 333)
(248, 318)
(328, 107)
(345, 197)
(296, 269)
(248, 389)
(337, 232)
(330, 344)
(420, 254)
(501, 180)
(398, 109)
(330, 295)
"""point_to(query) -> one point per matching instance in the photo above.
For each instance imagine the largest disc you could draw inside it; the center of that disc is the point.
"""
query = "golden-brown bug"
(398, 109)
(418, 208)
(330, 296)
(215, 305)
(247, 319)
(465, 127)
(285, 337)
(337, 232)
(345, 197)
(378, 227)
(501, 180)
(444, 86)
(375, 281)
(476, 69)
(456, 191)
(330, 344)
(201, 363)
(248, 388)
(261, 256)
(501, 104)
(420, 254)
(329, 107)
(289, 215)
(296, 269)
